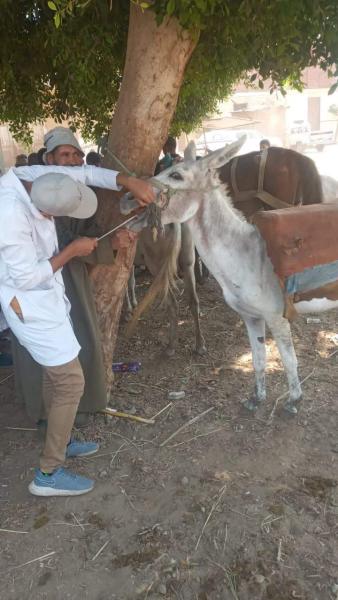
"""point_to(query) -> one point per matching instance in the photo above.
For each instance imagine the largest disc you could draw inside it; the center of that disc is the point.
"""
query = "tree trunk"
(155, 63)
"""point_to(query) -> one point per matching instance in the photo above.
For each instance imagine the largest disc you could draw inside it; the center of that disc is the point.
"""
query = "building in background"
(300, 120)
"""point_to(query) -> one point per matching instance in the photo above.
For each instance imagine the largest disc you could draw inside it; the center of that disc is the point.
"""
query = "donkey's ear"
(190, 152)
(217, 159)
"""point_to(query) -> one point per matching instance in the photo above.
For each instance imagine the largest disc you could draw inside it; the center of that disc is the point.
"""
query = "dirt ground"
(233, 507)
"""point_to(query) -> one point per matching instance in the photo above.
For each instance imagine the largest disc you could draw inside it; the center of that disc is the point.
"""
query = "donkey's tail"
(165, 280)
(312, 191)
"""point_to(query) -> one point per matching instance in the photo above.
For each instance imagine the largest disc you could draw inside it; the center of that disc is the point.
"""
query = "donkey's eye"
(176, 175)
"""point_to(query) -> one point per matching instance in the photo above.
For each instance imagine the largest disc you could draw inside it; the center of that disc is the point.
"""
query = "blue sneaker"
(60, 483)
(77, 448)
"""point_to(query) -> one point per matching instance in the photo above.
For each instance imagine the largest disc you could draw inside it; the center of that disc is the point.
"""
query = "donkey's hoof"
(201, 351)
(169, 352)
(251, 404)
(290, 408)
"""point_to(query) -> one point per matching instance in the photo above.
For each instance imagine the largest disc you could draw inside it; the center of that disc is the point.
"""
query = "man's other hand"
(141, 189)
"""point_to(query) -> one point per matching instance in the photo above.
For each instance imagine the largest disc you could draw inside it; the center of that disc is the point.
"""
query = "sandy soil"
(233, 507)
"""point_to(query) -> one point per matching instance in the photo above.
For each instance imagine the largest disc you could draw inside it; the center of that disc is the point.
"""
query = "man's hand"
(123, 239)
(142, 190)
(83, 246)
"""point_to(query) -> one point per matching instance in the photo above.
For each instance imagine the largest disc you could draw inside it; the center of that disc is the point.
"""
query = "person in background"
(102, 143)
(64, 152)
(264, 145)
(94, 158)
(33, 159)
(21, 160)
(40, 154)
(170, 156)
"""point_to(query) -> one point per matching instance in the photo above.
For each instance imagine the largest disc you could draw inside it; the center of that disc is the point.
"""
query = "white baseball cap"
(60, 136)
(61, 196)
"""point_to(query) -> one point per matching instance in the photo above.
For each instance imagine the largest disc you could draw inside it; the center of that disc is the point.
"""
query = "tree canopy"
(64, 58)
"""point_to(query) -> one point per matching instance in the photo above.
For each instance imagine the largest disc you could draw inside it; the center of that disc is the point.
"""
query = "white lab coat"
(27, 242)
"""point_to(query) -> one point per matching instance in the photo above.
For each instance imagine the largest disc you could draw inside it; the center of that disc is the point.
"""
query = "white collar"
(10, 180)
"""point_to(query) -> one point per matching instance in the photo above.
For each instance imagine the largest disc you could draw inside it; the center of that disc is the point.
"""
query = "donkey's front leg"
(256, 333)
(281, 331)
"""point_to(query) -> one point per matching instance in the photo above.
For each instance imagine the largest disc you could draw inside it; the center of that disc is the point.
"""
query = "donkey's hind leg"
(173, 318)
(256, 333)
(187, 266)
(281, 332)
(132, 288)
(130, 296)
(194, 305)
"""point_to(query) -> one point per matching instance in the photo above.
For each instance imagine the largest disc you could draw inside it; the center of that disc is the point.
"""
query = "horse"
(273, 178)
(235, 254)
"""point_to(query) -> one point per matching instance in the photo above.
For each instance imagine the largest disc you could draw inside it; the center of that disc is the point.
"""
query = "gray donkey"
(235, 254)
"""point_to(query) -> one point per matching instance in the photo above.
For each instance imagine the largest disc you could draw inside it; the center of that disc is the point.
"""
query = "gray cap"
(59, 195)
(60, 136)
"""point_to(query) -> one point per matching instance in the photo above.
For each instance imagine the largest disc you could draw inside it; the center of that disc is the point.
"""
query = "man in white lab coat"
(63, 149)
(34, 303)
(36, 308)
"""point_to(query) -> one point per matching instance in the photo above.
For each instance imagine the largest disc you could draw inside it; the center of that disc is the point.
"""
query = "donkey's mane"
(225, 204)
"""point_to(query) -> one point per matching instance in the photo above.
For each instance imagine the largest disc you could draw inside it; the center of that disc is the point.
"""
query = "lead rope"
(153, 210)
(233, 176)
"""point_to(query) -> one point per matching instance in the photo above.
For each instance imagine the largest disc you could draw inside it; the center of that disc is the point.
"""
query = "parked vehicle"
(320, 139)
(302, 138)
(299, 135)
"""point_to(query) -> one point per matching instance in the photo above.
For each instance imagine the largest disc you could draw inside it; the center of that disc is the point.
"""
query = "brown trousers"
(62, 390)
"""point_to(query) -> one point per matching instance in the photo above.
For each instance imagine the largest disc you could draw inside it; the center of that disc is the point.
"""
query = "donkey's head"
(190, 181)
(181, 188)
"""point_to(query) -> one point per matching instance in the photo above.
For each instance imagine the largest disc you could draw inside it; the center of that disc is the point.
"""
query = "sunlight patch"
(273, 362)
(327, 342)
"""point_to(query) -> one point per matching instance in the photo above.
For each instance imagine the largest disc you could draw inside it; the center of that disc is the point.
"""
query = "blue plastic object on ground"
(126, 367)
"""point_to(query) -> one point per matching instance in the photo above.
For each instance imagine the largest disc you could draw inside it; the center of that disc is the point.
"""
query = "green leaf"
(171, 7)
(57, 20)
(333, 88)
(51, 5)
